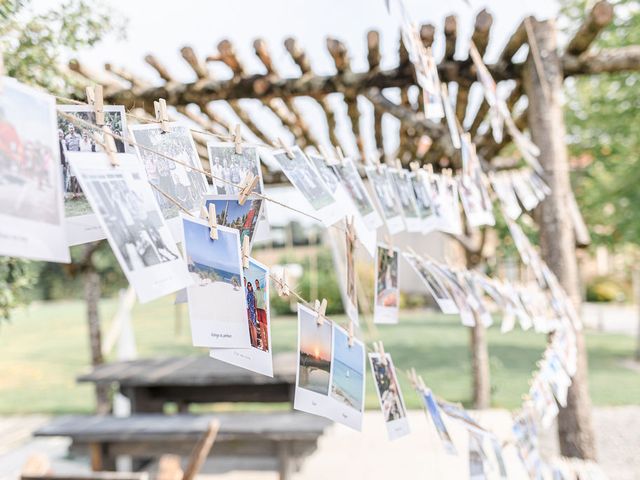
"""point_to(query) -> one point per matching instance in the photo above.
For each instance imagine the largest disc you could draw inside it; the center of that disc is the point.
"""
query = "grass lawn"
(45, 346)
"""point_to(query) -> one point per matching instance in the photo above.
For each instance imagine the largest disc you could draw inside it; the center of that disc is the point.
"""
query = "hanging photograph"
(82, 224)
(258, 358)
(230, 213)
(357, 192)
(389, 395)
(347, 379)
(128, 213)
(229, 168)
(449, 199)
(32, 221)
(167, 158)
(433, 411)
(327, 174)
(386, 197)
(524, 191)
(387, 291)
(433, 185)
(452, 122)
(457, 292)
(313, 376)
(217, 300)
(304, 177)
(477, 458)
(503, 187)
(405, 194)
(433, 283)
(351, 307)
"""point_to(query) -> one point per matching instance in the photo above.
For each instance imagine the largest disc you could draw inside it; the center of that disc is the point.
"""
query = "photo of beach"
(230, 213)
(314, 366)
(348, 370)
(434, 412)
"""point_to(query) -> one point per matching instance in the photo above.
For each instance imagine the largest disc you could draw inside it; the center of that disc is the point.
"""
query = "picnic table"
(152, 383)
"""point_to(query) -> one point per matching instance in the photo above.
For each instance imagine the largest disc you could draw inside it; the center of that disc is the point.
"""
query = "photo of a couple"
(257, 306)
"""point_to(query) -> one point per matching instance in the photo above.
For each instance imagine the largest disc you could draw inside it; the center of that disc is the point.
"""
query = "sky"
(314, 337)
(350, 356)
(162, 28)
(222, 253)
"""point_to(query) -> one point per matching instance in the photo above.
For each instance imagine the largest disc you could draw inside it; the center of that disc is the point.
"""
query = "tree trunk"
(92, 298)
(557, 239)
(480, 366)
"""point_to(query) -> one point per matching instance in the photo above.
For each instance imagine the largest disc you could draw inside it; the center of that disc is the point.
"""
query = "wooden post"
(480, 366)
(557, 240)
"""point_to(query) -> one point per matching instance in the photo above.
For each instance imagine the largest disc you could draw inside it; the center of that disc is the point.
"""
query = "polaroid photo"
(473, 203)
(258, 358)
(524, 191)
(328, 175)
(503, 187)
(557, 377)
(389, 395)
(452, 222)
(315, 353)
(357, 192)
(82, 224)
(32, 221)
(347, 379)
(230, 213)
(386, 198)
(386, 307)
(229, 168)
(452, 121)
(181, 179)
(217, 301)
(434, 284)
(544, 403)
(423, 199)
(123, 201)
(351, 306)
(433, 186)
(478, 467)
(405, 194)
(460, 296)
(433, 411)
(304, 177)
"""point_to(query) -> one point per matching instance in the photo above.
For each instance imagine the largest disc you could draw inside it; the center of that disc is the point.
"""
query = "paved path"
(344, 453)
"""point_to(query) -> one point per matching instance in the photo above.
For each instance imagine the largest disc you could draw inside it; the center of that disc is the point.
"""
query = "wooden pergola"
(539, 80)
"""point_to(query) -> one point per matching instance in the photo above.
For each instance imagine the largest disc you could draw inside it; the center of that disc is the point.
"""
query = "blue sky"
(353, 357)
(222, 253)
(254, 272)
(20, 108)
(233, 207)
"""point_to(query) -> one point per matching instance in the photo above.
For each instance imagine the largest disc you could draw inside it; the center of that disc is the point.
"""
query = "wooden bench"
(277, 441)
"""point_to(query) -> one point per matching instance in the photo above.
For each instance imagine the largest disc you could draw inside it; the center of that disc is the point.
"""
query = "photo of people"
(347, 382)
(229, 168)
(78, 137)
(422, 195)
(389, 395)
(387, 292)
(255, 287)
(127, 211)
(404, 192)
(433, 283)
(31, 215)
(351, 181)
(314, 352)
(304, 177)
(385, 196)
(258, 358)
(216, 269)
(174, 178)
(432, 409)
(230, 213)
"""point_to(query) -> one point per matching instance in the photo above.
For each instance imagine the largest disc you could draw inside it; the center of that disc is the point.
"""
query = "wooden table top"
(192, 371)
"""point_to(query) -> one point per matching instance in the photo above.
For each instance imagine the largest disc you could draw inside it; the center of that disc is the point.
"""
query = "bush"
(605, 289)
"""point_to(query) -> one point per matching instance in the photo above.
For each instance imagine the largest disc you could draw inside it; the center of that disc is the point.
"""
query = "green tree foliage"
(603, 114)
(35, 43)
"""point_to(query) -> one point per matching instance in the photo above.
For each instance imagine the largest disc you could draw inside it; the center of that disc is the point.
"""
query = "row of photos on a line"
(58, 189)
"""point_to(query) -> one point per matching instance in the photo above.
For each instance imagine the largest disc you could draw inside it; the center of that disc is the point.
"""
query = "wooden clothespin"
(351, 333)
(281, 284)
(280, 143)
(429, 168)
(379, 349)
(237, 139)
(421, 383)
(96, 100)
(247, 186)
(213, 221)
(414, 166)
(108, 144)
(411, 373)
(320, 308)
(350, 227)
(340, 157)
(398, 164)
(160, 108)
(246, 250)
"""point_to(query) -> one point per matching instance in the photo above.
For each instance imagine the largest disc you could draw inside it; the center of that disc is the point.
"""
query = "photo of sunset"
(314, 367)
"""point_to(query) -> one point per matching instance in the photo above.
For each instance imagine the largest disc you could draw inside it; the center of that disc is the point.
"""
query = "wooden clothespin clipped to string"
(340, 155)
(351, 333)
(350, 228)
(212, 219)
(95, 98)
(413, 378)
(414, 166)
(280, 143)
(387, 240)
(320, 308)
(281, 284)
(160, 107)
(247, 186)
(379, 348)
(237, 139)
(429, 168)
(246, 250)
(108, 144)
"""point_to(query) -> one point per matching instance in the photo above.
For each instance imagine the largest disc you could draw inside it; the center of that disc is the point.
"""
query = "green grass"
(45, 346)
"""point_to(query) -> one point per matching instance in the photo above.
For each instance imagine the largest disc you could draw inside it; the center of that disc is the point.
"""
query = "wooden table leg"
(95, 452)
(286, 463)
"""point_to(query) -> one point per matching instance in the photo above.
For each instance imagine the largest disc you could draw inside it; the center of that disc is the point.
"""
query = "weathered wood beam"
(135, 81)
(164, 73)
(513, 97)
(298, 55)
(108, 82)
(516, 41)
(488, 148)
(340, 55)
(373, 58)
(599, 17)
(450, 35)
(199, 67)
(608, 60)
(227, 55)
(262, 52)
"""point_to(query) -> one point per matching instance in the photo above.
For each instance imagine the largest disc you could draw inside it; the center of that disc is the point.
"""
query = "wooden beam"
(164, 73)
(373, 58)
(518, 39)
(599, 17)
(608, 60)
(450, 35)
(227, 55)
(298, 55)
(481, 31)
(198, 67)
